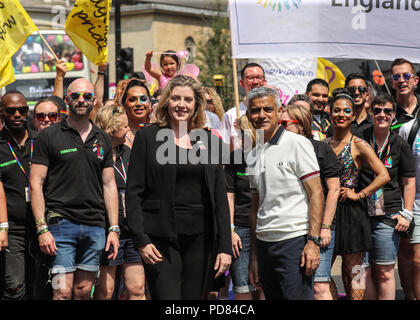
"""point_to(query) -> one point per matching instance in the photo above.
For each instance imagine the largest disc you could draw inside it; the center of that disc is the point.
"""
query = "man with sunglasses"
(73, 163)
(16, 142)
(285, 224)
(404, 81)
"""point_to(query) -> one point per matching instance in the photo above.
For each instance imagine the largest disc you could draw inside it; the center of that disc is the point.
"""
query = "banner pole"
(386, 86)
(235, 87)
(48, 46)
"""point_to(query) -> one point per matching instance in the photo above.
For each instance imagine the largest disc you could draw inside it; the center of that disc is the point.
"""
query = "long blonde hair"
(217, 102)
(198, 119)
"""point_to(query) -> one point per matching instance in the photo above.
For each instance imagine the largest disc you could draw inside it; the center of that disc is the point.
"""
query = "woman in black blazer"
(177, 207)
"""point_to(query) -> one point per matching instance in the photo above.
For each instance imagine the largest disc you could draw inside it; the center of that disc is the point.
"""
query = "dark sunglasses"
(41, 116)
(209, 101)
(387, 111)
(142, 99)
(12, 110)
(361, 89)
(286, 123)
(87, 96)
(406, 76)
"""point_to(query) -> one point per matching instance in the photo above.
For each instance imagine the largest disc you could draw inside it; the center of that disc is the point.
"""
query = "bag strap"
(413, 132)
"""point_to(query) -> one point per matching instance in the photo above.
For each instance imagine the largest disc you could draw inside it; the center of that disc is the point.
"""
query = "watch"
(316, 240)
(115, 229)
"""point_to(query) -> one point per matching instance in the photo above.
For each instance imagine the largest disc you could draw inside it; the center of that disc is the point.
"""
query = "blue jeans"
(78, 246)
(239, 266)
(323, 272)
(385, 243)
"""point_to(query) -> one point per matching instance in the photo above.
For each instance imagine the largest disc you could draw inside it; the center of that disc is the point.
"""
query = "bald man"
(72, 162)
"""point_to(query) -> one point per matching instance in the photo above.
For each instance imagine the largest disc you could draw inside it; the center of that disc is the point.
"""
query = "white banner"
(364, 29)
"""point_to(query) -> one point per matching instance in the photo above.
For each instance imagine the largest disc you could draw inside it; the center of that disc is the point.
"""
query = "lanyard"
(123, 174)
(17, 159)
(379, 153)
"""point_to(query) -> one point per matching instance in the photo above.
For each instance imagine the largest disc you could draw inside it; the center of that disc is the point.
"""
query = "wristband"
(40, 222)
(325, 226)
(43, 230)
(115, 229)
(4, 225)
(101, 73)
(232, 226)
(4, 229)
(407, 214)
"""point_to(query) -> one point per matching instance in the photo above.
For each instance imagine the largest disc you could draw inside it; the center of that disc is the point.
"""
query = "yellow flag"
(15, 27)
(331, 73)
(7, 75)
(87, 25)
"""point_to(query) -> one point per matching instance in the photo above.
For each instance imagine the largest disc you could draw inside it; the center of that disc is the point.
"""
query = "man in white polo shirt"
(287, 204)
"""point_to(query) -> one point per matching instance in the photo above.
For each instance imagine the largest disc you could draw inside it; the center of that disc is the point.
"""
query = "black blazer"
(150, 187)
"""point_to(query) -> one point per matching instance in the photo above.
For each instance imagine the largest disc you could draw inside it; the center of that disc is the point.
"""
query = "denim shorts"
(126, 253)
(78, 246)
(323, 272)
(415, 238)
(385, 242)
(239, 266)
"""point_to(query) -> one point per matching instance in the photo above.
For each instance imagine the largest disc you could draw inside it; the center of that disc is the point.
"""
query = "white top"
(404, 133)
(212, 120)
(227, 128)
(277, 174)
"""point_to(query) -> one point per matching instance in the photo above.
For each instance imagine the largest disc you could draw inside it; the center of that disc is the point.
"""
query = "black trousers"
(185, 270)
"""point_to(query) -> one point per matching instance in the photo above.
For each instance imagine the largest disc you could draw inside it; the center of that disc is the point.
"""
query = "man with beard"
(73, 164)
(317, 90)
(16, 141)
(252, 76)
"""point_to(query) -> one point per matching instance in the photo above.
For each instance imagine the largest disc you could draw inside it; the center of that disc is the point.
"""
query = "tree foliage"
(213, 55)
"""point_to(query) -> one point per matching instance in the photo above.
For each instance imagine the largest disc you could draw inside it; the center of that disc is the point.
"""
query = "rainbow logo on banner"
(280, 4)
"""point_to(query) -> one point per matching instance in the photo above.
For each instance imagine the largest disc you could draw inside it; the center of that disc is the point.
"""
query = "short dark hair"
(354, 76)
(400, 61)
(382, 99)
(317, 81)
(301, 97)
(8, 93)
(250, 65)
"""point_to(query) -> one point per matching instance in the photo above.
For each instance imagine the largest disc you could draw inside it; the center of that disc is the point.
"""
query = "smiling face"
(46, 114)
(404, 86)
(342, 113)
(181, 105)
(169, 66)
(262, 113)
(319, 96)
(15, 112)
(253, 78)
(383, 115)
(137, 105)
(359, 92)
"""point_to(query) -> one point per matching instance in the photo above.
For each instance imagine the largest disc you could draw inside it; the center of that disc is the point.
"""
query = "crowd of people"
(169, 197)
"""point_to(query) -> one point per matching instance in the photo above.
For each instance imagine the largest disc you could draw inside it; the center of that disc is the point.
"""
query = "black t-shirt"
(120, 173)
(15, 182)
(399, 162)
(237, 182)
(74, 186)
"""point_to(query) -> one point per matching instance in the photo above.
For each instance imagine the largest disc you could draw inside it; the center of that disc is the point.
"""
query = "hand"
(402, 223)
(149, 54)
(150, 254)
(61, 69)
(236, 244)
(223, 261)
(103, 67)
(3, 240)
(310, 257)
(326, 237)
(237, 123)
(47, 243)
(112, 240)
(253, 276)
(346, 193)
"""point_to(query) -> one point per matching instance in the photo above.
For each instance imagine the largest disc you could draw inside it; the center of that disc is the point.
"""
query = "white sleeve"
(225, 128)
(405, 129)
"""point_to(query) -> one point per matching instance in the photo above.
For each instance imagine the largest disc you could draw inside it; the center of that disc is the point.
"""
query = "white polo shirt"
(277, 174)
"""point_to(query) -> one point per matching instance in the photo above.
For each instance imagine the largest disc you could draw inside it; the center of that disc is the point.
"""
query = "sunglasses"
(12, 110)
(406, 76)
(87, 96)
(209, 101)
(387, 111)
(361, 89)
(142, 99)
(286, 123)
(41, 116)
